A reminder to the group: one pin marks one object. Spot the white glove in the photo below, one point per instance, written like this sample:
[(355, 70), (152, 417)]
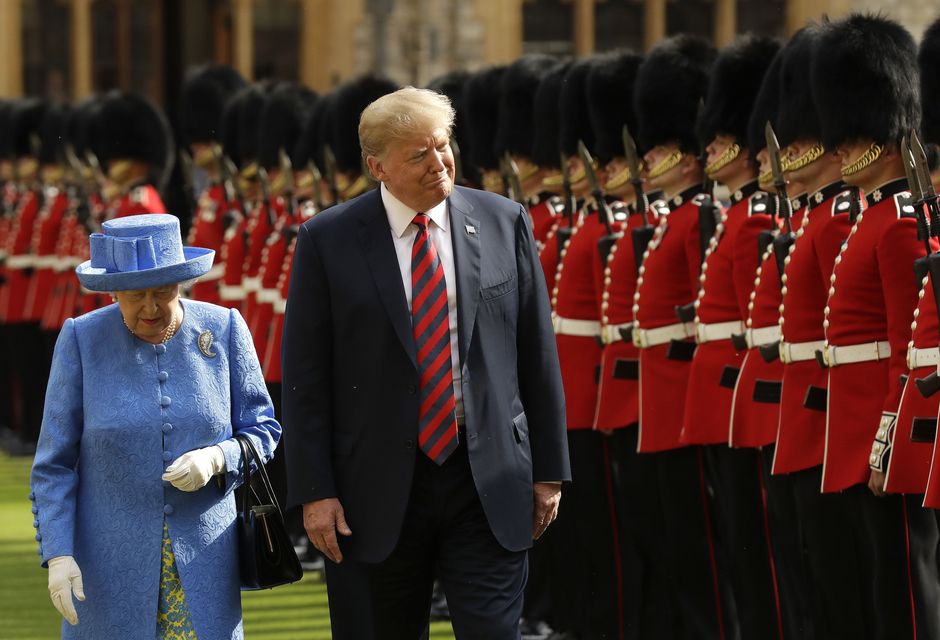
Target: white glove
[(65, 578), (192, 470)]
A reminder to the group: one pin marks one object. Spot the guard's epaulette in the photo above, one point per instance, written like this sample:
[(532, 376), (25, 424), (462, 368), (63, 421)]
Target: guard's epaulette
[(660, 208), (759, 203), (556, 205), (620, 210), (842, 203), (699, 199), (139, 194), (905, 205)]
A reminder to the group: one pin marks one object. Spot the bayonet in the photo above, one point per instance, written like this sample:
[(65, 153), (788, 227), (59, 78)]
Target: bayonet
[(287, 176), (515, 184), (780, 181), (603, 209), (636, 179), (913, 180), (265, 201), (927, 193), (317, 177)]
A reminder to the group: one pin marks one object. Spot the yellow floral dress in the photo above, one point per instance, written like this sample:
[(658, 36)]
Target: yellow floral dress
[(173, 620)]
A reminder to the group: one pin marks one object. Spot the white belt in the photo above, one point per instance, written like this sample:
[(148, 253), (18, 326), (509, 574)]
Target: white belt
[(762, 335), (231, 292), (251, 284), (717, 331), (610, 333), (268, 295), (835, 356), (800, 351), (22, 261), (280, 305), (62, 263), (922, 357), (572, 327), (46, 262), (645, 338), (216, 272)]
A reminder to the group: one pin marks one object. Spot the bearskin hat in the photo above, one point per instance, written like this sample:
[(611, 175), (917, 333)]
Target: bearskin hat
[(309, 144), (79, 123), (733, 87), (452, 85), (128, 126), (575, 119), (206, 89), (796, 110), (610, 101), (351, 100), (546, 149), (482, 94), (516, 131), (52, 134), (765, 106), (864, 79), (240, 121), (282, 122), (27, 117), (7, 110), (928, 59), (670, 84)]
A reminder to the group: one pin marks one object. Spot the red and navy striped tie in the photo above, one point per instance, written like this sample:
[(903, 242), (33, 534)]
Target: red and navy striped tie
[(437, 431)]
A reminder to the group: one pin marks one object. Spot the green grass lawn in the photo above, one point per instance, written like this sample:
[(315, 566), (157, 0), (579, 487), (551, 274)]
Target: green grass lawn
[(294, 612)]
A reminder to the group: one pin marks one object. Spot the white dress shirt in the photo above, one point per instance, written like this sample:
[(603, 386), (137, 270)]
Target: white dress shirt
[(400, 218)]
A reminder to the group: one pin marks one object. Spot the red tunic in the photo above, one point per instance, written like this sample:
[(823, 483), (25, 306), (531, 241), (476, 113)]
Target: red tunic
[(544, 212), (139, 200), (43, 246), (19, 260), (208, 231), (269, 273), (717, 362), (668, 278), (872, 299), (802, 424), (260, 225)]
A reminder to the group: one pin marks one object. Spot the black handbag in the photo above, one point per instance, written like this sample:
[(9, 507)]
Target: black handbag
[(266, 557)]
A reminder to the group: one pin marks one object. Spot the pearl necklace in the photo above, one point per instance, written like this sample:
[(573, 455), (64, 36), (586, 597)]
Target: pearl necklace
[(168, 333)]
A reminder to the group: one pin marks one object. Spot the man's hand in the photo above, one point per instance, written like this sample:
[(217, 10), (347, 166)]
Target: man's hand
[(65, 579), (547, 499), (877, 483), (322, 519)]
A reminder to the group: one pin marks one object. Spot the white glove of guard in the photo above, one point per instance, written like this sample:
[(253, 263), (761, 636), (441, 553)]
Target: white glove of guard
[(192, 470), (65, 578)]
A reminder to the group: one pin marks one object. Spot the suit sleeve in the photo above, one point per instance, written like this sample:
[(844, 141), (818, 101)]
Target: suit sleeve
[(896, 253), (55, 476), (306, 361), (540, 387), (252, 411)]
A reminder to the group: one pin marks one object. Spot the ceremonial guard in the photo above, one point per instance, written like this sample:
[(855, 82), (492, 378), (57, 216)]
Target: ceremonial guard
[(610, 102), (671, 82), (869, 63), (206, 89), (719, 314), (482, 96)]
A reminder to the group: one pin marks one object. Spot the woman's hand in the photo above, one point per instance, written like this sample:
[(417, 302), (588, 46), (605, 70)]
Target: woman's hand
[(65, 578), (192, 470)]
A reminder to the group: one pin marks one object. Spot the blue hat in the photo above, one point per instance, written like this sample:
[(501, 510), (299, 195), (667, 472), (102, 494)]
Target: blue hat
[(140, 252)]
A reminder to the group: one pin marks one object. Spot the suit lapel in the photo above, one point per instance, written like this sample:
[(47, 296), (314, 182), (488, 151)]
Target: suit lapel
[(379, 250), (467, 238)]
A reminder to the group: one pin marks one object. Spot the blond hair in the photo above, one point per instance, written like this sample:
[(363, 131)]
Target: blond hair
[(401, 115)]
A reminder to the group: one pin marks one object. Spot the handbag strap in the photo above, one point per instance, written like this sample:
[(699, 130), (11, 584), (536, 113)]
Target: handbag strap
[(248, 453)]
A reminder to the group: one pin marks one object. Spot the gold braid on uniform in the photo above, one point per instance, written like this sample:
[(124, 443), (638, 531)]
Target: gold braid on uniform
[(727, 156), (864, 160), (667, 163), (619, 179), (553, 181), (173, 619), (766, 179), (810, 156)]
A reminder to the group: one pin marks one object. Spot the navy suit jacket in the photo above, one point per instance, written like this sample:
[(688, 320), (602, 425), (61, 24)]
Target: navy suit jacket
[(350, 379)]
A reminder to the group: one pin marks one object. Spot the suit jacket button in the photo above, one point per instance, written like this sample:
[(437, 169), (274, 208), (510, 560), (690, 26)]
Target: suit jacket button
[(168, 509), (409, 444)]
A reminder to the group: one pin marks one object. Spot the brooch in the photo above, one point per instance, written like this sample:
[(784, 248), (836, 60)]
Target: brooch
[(205, 344)]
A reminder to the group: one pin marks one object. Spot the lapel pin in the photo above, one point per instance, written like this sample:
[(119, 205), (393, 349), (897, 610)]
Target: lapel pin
[(205, 344), (471, 230)]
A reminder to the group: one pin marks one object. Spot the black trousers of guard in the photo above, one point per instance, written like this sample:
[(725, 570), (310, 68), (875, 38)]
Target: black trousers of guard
[(736, 478), (687, 549), (898, 541), (794, 588), (587, 559), (646, 602), (445, 536), (29, 362), (833, 558)]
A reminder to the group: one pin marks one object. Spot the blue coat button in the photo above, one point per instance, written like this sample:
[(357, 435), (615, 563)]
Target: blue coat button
[(32, 496), (167, 456), (163, 376), (160, 349), (38, 537), (35, 509), (168, 509), (167, 427), (36, 524), (165, 401)]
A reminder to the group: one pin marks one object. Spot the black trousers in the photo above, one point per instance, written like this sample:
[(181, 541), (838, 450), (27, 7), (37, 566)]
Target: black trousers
[(735, 475), (446, 536), (28, 354), (794, 588), (587, 559), (687, 549)]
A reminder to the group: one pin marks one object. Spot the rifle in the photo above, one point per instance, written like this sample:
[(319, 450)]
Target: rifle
[(287, 176), (570, 205), (640, 236), (234, 199), (605, 243), (330, 161), (511, 175), (265, 200), (317, 177), (785, 240)]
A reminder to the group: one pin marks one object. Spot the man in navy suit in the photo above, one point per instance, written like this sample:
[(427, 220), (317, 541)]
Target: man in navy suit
[(423, 406)]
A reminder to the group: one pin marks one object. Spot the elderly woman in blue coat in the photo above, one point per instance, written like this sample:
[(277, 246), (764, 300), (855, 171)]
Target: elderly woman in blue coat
[(133, 476)]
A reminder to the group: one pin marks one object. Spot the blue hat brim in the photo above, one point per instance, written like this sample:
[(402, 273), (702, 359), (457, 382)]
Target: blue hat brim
[(198, 263)]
